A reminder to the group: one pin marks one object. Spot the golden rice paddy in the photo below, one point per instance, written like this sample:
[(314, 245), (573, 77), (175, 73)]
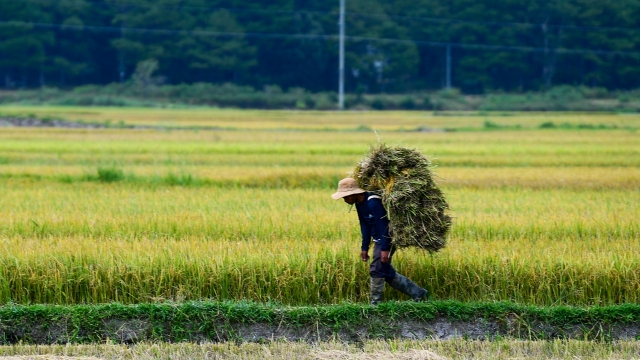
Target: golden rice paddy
[(541, 216)]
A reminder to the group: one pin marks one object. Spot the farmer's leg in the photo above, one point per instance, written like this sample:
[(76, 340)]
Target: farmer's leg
[(378, 269), (408, 287), (380, 272)]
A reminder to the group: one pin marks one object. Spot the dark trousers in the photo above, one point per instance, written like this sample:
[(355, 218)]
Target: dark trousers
[(378, 269)]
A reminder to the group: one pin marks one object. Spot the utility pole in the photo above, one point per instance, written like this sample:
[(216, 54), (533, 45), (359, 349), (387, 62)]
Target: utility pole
[(121, 68), (448, 66), (549, 55), (341, 67)]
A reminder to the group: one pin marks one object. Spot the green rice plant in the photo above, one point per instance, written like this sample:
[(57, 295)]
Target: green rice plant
[(29, 149), (181, 179), (110, 174)]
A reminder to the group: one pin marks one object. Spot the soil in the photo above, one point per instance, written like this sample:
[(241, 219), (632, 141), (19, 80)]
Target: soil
[(46, 357), (136, 330), (21, 122)]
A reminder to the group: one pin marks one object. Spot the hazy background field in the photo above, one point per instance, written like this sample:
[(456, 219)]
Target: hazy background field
[(542, 215)]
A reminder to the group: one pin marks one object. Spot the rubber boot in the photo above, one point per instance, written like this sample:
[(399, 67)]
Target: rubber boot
[(377, 289), (408, 287)]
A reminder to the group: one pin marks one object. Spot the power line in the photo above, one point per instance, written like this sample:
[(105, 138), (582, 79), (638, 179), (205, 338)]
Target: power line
[(498, 47), (198, 8), (163, 31), (391, 16), (207, 33), (496, 23)]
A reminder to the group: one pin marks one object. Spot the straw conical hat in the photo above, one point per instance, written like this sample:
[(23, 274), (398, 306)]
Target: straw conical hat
[(347, 187)]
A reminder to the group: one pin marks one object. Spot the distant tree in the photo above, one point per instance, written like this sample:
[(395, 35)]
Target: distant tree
[(393, 45), (209, 50), (22, 47)]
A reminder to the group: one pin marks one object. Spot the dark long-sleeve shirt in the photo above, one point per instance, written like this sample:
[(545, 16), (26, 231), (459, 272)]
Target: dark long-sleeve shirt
[(373, 222)]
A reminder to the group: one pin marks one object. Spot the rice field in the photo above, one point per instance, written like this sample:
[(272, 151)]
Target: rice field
[(541, 216), (317, 120)]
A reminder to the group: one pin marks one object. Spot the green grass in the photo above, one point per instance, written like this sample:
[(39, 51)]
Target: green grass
[(218, 321)]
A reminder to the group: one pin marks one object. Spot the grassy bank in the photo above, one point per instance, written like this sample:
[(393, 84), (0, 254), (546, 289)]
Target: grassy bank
[(211, 321)]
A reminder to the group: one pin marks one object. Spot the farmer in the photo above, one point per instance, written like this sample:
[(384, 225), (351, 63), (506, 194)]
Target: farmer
[(375, 224)]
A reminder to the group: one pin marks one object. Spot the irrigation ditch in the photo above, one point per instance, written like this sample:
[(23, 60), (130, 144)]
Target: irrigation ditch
[(59, 123), (253, 322)]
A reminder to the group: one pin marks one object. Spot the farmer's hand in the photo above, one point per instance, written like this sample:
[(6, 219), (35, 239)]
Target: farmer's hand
[(364, 255), (384, 256)]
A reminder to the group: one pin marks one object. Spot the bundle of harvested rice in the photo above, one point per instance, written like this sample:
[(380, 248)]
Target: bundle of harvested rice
[(415, 205)]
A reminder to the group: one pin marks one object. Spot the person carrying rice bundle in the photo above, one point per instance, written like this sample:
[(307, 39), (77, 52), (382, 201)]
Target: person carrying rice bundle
[(374, 224), (397, 198)]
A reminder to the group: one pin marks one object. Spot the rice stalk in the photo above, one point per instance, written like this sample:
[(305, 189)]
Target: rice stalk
[(415, 205)]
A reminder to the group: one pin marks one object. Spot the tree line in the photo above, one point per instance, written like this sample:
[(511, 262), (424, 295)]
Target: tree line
[(393, 46)]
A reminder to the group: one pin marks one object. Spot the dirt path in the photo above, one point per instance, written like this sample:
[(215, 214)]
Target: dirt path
[(47, 357), (323, 355), (54, 123), (379, 355)]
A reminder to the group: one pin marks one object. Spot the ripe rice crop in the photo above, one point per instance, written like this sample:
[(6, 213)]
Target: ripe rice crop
[(540, 216), (319, 120), (70, 244), (415, 205)]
